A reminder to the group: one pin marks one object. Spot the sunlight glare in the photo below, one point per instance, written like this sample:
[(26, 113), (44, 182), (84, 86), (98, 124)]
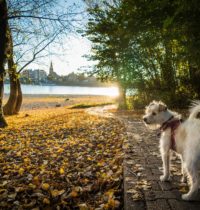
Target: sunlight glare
[(112, 91)]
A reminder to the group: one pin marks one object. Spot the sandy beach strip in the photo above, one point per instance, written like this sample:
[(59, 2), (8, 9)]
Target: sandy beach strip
[(45, 101)]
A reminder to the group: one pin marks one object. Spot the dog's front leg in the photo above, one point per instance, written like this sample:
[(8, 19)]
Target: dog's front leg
[(165, 159), (183, 170)]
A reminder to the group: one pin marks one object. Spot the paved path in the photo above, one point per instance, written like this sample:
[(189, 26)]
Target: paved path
[(142, 169)]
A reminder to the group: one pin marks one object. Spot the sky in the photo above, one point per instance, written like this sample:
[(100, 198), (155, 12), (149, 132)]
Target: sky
[(72, 59), (70, 54)]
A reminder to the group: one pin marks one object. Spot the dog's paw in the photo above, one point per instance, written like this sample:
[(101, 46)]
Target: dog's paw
[(164, 178), (186, 197)]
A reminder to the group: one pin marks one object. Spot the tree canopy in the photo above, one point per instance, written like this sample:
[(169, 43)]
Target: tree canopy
[(151, 48)]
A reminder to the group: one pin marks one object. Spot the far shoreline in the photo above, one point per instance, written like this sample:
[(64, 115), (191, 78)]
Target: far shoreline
[(104, 85), (60, 95)]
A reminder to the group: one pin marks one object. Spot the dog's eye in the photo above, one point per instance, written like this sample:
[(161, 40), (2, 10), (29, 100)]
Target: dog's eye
[(153, 113)]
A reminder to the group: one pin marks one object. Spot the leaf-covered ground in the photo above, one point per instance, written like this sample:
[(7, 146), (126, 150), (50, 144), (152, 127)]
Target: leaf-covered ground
[(61, 159)]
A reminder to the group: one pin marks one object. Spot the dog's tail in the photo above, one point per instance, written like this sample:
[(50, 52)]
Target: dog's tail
[(195, 110)]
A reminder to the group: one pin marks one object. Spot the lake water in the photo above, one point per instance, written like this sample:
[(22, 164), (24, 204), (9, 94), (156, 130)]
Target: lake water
[(65, 90)]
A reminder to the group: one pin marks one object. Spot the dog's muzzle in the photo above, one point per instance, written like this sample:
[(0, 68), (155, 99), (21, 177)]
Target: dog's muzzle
[(145, 119)]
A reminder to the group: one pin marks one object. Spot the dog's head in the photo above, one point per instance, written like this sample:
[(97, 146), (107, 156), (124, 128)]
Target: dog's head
[(155, 113)]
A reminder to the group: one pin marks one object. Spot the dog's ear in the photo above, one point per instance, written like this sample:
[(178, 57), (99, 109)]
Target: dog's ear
[(162, 107), (152, 103)]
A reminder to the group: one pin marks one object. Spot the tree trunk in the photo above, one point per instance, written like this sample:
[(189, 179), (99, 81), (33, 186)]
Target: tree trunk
[(10, 106), (3, 122), (19, 97), (122, 98), (168, 73), (3, 47), (14, 102)]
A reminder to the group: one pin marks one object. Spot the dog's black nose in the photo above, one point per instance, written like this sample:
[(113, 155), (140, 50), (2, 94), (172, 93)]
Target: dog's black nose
[(145, 119)]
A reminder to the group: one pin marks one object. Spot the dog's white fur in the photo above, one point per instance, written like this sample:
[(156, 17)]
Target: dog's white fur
[(187, 138)]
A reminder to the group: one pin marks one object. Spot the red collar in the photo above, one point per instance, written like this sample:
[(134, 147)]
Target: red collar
[(173, 124)]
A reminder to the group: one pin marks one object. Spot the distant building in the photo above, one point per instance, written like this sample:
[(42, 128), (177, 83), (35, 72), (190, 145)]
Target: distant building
[(51, 69), (40, 75), (26, 73), (52, 75), (35, 76)]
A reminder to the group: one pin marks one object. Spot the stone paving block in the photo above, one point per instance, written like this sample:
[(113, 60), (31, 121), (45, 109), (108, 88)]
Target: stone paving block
[(155, 186), (130, 205), (160, 204), (156, 171), (165, 186), (153, 195), (154, 177), (183, 205)]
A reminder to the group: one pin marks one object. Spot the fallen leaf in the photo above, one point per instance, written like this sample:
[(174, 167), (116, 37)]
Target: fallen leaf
[(56, 193), (62, 171), (46, 201), (73, 194), (45, 186), (21, 171)]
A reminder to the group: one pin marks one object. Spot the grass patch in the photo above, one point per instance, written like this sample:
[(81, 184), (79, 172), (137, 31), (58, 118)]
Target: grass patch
[(88, 105)]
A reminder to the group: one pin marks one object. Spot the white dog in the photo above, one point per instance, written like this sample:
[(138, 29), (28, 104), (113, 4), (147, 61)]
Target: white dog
[(182, 137)]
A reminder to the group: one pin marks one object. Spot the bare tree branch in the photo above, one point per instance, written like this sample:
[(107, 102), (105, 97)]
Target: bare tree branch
[(39, 51)]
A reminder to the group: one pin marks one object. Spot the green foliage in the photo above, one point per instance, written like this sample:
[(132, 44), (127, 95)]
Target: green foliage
[(88, 105), (151, 47)]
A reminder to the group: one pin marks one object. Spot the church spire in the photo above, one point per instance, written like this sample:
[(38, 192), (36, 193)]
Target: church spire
[(51, 69)]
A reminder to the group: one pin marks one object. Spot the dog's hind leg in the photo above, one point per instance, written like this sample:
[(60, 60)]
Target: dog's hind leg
[(193, 173)]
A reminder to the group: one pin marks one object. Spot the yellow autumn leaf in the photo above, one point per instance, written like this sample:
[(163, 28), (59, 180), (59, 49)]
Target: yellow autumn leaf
[(19, 153), (109, 193), (26, 160), (90, 158), (60, 150), (46, 201), (73, 194), (32, 186), (113, 204), (36, 180), (45, 186), (62, 171), (83, 206), (56, 193), (101, 163), (2, 136), (21, 171)]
